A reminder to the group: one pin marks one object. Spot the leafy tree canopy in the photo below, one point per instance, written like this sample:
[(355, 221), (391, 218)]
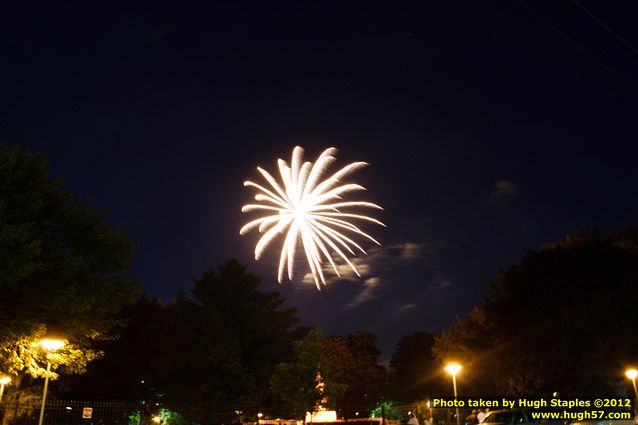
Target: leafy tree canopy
[(217, 350), (244, 334), (388, 409), (564, 320), (353, 361), (414, 372), (63, 268), (305, 384)]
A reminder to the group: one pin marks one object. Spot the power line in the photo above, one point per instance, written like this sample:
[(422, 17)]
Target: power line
[(580, 48), (604, 25)]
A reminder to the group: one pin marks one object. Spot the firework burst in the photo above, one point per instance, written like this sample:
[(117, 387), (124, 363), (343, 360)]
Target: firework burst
[(307, 206)]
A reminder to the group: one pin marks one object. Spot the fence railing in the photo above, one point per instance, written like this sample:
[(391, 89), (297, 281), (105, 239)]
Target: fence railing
[(69, 413), (60, 412)]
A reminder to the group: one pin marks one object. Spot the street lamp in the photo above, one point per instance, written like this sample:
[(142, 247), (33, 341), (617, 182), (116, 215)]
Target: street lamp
[(3, 381), (632, 374), (49, 345), (453, 369)]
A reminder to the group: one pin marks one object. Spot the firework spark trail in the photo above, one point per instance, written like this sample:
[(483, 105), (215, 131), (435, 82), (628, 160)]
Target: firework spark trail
[(305, 207)]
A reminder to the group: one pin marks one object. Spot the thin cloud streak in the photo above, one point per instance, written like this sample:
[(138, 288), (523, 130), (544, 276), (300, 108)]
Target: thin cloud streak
[(376, 270), (504, 190)]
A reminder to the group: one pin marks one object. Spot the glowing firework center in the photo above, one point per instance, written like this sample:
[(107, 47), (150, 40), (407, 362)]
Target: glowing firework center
[(305, 206)]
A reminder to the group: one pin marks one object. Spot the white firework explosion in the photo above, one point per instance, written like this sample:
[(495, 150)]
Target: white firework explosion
[(307, 206)]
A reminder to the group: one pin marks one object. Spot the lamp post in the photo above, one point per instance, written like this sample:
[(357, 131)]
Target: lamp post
[(3, 381), (453, 369), (632, 374), (49, 345)]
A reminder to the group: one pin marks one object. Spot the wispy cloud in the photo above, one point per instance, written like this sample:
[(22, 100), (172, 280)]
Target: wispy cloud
[(380, 261), (411, 251), (366, 294), (439, 283), (504, 190), (406, 308)]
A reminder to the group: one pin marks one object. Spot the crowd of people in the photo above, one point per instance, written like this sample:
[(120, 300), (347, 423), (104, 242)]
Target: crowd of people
[(476, 417)]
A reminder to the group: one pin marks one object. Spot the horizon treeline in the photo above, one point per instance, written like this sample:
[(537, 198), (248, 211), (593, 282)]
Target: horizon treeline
[(561, 320)]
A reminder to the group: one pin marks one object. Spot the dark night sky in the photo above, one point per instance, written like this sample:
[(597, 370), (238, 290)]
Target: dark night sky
[(486, 131)]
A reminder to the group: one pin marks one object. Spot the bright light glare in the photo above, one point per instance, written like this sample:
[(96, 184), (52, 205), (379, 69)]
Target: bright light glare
[(453, 368), (307, 206), (632, 374), (52, 344), (322, 416), (5, 380)]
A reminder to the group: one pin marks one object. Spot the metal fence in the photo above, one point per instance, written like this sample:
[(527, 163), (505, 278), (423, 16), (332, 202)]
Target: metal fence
[(71, 413), (60, 412)]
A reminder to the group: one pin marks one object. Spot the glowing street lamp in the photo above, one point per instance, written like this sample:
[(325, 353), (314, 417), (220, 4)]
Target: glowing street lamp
[(49, 345), (453, 369), (3, 381), (633, 374)]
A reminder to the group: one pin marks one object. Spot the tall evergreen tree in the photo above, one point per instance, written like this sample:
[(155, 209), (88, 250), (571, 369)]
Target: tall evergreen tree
[(208, 355)]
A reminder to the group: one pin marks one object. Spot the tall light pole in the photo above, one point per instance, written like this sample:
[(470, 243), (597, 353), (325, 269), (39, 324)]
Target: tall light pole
[(632, 374), (3, 381), (49, 345), (453, 369)]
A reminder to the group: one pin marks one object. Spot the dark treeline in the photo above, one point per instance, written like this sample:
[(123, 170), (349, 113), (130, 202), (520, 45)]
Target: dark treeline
[(232, 348), (562, 320), (218, 347)]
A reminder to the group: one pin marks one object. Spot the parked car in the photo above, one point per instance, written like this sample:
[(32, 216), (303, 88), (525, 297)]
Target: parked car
[(607, 422), (516, 417), (507, 417)]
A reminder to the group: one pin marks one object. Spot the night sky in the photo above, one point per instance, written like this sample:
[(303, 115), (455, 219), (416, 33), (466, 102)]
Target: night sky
[(486, 130)]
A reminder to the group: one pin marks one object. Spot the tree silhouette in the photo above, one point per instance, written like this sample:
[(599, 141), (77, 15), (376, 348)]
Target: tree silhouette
[(562, 320), (63, 268)]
